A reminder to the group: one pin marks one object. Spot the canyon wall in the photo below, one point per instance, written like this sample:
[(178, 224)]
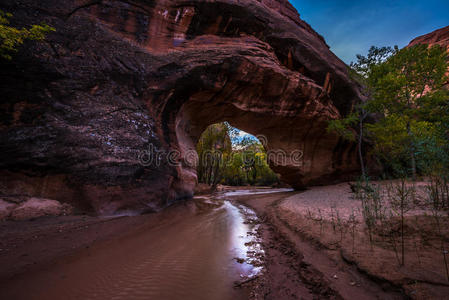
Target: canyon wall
[(105, 113), (436, 37)]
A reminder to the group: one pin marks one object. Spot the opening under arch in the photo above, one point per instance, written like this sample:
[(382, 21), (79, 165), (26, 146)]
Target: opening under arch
[(230, 156)]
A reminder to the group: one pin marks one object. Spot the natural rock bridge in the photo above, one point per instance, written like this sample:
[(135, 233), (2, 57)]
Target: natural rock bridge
[(118, 76)]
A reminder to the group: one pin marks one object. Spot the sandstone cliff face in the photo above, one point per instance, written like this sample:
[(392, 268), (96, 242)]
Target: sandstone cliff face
[(437, 37), (119, 78)]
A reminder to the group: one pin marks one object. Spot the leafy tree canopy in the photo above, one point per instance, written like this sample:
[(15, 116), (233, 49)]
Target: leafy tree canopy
[(240, 162), (11, 38), (409, 80), (405, 93), (375, 56)]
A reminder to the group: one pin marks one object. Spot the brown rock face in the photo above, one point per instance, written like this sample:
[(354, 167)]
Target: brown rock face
[(32, 208), (105, 114), (437, 37)]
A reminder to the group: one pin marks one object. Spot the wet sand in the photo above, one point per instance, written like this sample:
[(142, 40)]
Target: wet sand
[(295, 269)]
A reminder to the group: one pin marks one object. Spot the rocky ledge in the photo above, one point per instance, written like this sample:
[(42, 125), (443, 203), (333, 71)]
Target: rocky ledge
[(25, 208)]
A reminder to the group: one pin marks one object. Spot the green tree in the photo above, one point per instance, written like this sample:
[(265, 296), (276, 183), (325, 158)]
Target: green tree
[(344, 127), (250, 162), (404, 89), (364, 64), (11, 38), (214, 149), (352, 126), (225, 157)]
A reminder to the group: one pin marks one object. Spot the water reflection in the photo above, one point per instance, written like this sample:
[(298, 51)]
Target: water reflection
[(245, 243), (197, 250), (255, 192)]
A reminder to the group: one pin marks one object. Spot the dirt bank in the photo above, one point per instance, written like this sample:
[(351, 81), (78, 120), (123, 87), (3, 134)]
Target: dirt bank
[(295, 269), (331, 219)]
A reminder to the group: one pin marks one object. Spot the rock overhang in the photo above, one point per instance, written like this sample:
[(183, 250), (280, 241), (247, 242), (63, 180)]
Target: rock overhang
[(129, 74)]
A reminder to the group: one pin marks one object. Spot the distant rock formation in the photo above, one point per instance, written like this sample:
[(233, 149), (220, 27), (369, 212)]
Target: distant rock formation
[(437, 37), (120, 80)]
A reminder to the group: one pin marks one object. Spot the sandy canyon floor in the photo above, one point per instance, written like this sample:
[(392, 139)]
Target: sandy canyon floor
[(234, 244)]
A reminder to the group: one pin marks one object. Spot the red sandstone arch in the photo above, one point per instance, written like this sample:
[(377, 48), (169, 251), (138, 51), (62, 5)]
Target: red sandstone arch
[(117, 76)]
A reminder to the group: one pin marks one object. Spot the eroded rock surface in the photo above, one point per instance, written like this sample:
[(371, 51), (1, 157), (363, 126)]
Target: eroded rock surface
[(5, 209), (437, 37), (20, 208), (119, 78)]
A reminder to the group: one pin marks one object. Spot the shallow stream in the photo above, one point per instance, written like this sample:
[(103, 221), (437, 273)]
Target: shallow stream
[(195, 250)]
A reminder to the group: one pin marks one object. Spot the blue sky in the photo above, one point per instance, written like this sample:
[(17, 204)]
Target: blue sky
[(351, 27)]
